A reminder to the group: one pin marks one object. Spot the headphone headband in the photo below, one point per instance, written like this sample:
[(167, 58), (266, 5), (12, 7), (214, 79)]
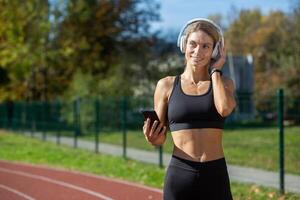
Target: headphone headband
[(182, 31)]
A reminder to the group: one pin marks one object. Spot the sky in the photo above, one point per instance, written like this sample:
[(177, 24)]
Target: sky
[(175, 13)]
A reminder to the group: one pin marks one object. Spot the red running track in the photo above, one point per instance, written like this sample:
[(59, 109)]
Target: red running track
[(29, 182)]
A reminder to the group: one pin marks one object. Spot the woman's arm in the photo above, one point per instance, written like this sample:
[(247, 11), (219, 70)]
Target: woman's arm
[(156, 135), (223, 89)]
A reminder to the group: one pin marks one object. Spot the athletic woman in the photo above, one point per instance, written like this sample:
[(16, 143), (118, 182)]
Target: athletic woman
[(194, 104)]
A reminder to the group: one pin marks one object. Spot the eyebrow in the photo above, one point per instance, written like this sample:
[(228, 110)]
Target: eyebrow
[(202, 43)]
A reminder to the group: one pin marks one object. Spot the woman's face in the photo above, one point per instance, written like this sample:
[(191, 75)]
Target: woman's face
[(199, 49)]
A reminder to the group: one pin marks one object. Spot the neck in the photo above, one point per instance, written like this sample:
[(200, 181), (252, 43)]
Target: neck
[(196, 74)]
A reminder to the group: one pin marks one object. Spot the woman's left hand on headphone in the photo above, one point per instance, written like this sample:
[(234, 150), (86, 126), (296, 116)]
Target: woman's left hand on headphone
[(222, 59)]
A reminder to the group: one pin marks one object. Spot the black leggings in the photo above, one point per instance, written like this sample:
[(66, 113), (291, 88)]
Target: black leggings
[(189, 180)]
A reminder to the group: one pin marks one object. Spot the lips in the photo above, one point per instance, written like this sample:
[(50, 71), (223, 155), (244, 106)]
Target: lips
[(196, 59)]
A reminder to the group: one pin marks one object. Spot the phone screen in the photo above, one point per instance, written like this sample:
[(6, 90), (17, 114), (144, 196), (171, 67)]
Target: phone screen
[(150, 114)]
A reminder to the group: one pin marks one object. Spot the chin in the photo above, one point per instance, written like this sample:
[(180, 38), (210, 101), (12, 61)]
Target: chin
[(198, 65)]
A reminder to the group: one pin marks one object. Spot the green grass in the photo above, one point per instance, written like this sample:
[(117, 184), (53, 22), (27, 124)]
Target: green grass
[(17, 147), (20, 148), (253, 147), (259, 148)]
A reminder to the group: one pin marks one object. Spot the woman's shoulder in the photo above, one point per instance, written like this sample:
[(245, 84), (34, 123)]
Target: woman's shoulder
[(164, 86), (166, 82)]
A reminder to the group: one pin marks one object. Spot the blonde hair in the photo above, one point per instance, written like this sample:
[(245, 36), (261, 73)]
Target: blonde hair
[(208, 28)]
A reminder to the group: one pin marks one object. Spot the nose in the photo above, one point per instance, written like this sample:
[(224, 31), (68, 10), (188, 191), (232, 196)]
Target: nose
[(197, 50)]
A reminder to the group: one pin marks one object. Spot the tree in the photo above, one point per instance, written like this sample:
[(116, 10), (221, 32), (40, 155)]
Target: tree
[(99, 37), (241, 32), (24, 30), (44, 44), (273, 40)]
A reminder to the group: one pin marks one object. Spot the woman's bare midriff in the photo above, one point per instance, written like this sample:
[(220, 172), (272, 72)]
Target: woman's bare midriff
[(199, 145)]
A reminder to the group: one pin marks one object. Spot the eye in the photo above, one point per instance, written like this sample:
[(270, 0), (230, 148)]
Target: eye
[(192, 43), (206, 46)]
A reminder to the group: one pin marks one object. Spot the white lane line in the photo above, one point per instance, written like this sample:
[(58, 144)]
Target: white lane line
[(90, 192), (16, 192), (87, 174), (119, 181)]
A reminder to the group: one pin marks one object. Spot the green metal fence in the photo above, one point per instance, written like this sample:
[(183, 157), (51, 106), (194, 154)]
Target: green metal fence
[(86, 116)]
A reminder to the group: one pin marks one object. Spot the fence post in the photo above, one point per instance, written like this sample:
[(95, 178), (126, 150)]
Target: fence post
[(57, 108), (97, 125), (43, 123), (160, 151), (23, 117), (76, 120), (280, 111), (33, 123), (124, 123), (9, 106)]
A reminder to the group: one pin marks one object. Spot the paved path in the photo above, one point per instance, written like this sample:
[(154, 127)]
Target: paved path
[(236, 173)]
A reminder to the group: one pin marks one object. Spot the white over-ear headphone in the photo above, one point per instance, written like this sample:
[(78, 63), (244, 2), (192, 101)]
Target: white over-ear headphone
[(181, 41)]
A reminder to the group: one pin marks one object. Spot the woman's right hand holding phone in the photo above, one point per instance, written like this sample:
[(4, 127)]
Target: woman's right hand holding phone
[(154, 134)]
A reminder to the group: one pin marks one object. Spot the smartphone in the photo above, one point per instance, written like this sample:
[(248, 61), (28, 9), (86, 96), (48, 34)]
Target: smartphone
[(150, 114)]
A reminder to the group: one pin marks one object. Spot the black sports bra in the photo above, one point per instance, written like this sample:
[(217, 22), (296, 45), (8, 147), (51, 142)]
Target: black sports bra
[(192, 111)]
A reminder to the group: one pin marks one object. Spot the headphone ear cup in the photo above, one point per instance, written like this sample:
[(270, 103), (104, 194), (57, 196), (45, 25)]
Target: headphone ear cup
[(215, 52), (182, 43)]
